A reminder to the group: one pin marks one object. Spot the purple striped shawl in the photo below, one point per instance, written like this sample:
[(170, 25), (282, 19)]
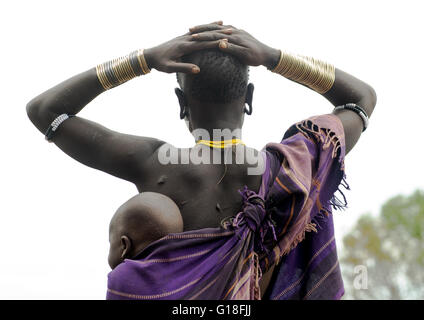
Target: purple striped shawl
[(287, 223)]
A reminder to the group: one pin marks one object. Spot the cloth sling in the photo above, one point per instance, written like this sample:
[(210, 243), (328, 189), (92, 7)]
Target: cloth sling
[(288, 223)]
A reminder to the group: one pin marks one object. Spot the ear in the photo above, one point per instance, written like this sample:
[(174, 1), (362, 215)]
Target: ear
[(126, 247), (188, 124), (182, 101), (249, 98)]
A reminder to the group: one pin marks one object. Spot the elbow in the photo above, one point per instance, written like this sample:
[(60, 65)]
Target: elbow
[(369, 99), (34, 110), (373, 96), (31, 110)]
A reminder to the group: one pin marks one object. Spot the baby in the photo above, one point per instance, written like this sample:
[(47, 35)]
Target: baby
[(140, 221)]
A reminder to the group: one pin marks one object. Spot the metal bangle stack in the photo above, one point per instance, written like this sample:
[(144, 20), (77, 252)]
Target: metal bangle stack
[(316, 74), (120, 70)]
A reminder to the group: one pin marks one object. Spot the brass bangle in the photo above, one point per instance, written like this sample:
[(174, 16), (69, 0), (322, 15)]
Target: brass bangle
[(118, 71), (142, 61), (101, 75), (313, 73)]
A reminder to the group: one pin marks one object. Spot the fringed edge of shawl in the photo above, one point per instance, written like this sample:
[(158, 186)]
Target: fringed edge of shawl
[(329, 137)]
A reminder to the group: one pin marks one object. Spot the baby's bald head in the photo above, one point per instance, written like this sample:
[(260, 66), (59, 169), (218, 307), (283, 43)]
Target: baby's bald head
[(141, 220)]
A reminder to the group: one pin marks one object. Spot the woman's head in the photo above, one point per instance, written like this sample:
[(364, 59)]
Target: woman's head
[(215, 96), (222, 77)]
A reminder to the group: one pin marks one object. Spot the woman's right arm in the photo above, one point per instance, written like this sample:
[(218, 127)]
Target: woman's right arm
[(90, 143)]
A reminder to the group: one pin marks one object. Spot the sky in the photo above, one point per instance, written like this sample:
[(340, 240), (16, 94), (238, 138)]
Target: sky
[(54, 212)]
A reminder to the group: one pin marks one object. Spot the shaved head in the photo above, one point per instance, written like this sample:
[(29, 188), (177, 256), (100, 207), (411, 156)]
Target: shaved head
[(222, 78), (141, 220)]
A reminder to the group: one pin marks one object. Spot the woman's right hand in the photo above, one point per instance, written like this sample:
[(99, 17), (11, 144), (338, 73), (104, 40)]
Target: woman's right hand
[(165, 56)]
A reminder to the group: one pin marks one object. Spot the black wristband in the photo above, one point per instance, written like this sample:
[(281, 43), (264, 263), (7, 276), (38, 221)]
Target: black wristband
[(55, 124), (358, 110)]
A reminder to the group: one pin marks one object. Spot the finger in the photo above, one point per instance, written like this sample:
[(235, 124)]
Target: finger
[(232, 48), (211, 35), (191, 46), (215, 23), (182, 67), (207, 27), (219, 22)]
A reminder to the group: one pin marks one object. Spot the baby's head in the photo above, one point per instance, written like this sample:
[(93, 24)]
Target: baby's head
[(141, 220)]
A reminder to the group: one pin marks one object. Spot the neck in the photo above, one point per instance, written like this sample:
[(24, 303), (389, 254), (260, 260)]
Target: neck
[(219, 121), (220, 133)]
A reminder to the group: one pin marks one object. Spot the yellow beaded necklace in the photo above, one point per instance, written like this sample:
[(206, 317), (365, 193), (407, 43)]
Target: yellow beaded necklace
[(221, 144)]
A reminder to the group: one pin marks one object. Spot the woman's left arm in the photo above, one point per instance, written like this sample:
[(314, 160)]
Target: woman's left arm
[(335, 85)]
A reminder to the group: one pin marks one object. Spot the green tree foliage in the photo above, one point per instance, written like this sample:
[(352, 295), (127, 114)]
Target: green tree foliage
[(390, 247)]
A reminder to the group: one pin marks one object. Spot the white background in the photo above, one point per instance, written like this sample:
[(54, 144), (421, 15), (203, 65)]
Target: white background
[(55, 212)]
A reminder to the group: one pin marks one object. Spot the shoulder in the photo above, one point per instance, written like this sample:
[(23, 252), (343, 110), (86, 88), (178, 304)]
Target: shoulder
[(309, 146), (321, 125)]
